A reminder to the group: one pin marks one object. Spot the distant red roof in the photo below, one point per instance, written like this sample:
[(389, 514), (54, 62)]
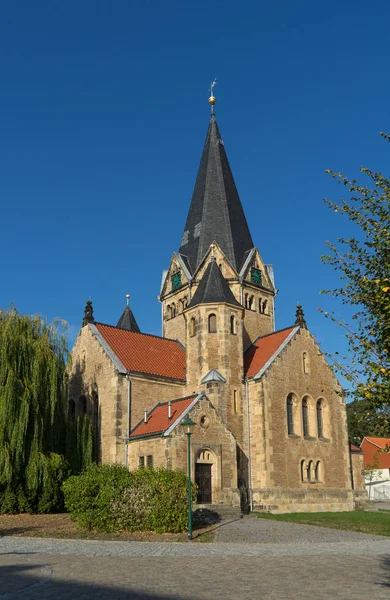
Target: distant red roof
[(354, 448), (158, 420), (373, 457), (263, 349), (144, 353)]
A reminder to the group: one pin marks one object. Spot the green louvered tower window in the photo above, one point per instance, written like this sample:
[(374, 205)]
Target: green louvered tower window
[(256, 276), (176, 280)]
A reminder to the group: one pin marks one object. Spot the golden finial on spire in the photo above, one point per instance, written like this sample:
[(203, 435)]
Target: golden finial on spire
[(212, 99)]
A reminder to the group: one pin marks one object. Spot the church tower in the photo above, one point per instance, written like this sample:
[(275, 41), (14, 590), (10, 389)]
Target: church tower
[(216, 217)]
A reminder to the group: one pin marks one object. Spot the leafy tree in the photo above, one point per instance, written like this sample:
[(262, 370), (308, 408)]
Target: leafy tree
[(363, 263), (366, 420), (33, 413)]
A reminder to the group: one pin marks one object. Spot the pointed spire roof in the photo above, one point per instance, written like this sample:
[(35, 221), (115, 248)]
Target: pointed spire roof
[(213, 287), (216, 213), (127, 320)]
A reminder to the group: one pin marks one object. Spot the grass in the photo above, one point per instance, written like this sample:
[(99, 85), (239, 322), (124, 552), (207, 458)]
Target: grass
[(375, 523)]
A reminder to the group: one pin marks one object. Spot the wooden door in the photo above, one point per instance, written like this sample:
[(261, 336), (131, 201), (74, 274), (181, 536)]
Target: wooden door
[(203, 481)]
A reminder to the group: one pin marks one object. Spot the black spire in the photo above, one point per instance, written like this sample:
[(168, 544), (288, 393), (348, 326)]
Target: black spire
[(213, 287), (127, 320), (300, 317), (216, 213), (88, 313)]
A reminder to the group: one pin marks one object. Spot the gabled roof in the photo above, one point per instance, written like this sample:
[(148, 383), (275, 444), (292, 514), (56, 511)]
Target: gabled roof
[(142, 353), (261, 354), (355, 449), (127, 321), (213, 375), (158, 421), (215, 212), (213, 287), (374, 456)]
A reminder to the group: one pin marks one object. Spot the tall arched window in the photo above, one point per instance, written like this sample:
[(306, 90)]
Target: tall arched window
[(173, 310), (83, 405), (320, 421), (233, 328), (251, 300), (290, 414), (318, 471), (169, 311), (260, 305), (264, 311), (192, 327), (305, 417), (305, 360), (246, 303), (212, 323)]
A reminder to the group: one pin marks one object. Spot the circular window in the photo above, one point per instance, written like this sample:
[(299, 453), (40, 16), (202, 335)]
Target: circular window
[(204, 421)]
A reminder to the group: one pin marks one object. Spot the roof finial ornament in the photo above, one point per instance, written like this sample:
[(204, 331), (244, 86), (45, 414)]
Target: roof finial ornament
[(212, 99), (88, 314), (300, 317), (212, 247), (127, 299)]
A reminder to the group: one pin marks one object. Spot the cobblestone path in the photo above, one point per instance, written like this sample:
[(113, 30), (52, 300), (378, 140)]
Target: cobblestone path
[(285, 563)]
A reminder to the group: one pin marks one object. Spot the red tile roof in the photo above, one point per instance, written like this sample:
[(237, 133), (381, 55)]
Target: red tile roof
[(371, 447), (354, 448), (158, 420), (263, 349), (144, 353)]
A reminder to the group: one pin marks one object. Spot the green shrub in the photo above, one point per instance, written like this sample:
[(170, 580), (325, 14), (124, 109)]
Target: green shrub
[(110, 498)]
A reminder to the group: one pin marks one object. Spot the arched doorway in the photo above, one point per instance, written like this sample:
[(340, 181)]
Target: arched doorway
[(204, 475)]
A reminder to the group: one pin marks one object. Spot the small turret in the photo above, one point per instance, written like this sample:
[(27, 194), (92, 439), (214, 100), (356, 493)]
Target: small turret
[(88, 314), (127, 320), (300, 317)]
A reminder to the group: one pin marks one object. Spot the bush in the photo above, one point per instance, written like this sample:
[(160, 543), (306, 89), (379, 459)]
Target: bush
[(111, 498)]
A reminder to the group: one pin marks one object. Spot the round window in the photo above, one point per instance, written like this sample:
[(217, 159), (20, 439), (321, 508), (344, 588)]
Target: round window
[(204, 421)]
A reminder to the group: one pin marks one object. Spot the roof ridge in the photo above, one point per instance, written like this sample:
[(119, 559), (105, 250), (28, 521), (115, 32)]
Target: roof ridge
[(159, 337)]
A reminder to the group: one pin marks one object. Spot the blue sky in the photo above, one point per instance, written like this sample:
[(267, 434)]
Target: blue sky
[(103, 115)]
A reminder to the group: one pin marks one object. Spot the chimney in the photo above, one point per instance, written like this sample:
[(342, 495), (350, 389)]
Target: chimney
[(145, 415), (169, 410)]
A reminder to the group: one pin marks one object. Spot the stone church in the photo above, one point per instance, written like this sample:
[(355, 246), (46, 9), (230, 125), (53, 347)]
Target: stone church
[(270, 418)]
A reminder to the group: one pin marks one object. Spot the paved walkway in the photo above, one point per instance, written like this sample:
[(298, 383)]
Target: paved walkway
[(252, 559)]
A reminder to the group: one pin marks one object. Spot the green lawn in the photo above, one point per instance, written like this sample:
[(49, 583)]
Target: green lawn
[(377, 523)]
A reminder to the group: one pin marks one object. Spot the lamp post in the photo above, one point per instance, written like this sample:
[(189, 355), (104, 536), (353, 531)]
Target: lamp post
[(189, 424)]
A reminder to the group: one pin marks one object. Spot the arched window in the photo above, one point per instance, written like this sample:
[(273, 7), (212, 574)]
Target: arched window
[(235, 401), (320, 421), (305, 417), (303, 471), (185, 302), (212, 323), (310, 471), (83, 405), (246, 303), (290, 414), (83, 361), (318, 471), (260, 305), (173, 310), (251, 300), (192, 327), (233, 328), (305, 360), (169, 311), (72, 409), (264, 310)]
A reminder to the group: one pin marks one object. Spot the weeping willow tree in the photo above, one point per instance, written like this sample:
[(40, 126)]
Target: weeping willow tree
[(34, 424)]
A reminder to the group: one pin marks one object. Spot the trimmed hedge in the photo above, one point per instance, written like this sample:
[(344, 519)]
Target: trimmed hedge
[(111, 498)]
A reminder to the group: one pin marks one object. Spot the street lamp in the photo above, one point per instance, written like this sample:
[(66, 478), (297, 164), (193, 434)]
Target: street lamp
[(188, 425)]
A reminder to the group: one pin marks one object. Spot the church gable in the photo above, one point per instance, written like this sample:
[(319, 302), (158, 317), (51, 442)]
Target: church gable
[(255, 272), (177, 277)]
